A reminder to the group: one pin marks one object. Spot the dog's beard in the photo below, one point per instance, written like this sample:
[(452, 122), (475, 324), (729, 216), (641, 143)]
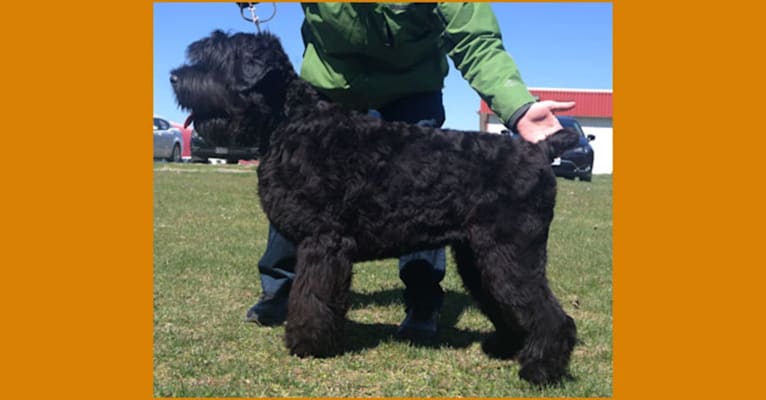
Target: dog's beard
[(252, 131), (215, 131)]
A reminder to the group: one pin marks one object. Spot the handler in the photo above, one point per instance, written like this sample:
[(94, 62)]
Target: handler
[(391, 58)]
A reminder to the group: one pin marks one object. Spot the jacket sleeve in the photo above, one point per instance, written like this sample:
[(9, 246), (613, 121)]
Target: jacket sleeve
[(473, 40)]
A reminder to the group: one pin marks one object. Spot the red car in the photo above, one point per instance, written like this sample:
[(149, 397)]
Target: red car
[(186, 134)]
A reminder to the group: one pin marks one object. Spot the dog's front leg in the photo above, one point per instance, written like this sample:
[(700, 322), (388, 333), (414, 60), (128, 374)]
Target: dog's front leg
[(319, 297)]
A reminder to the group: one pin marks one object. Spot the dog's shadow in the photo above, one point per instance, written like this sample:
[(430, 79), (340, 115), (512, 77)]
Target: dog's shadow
[(360, 336)]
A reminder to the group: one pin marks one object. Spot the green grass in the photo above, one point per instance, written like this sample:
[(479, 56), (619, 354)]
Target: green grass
[(209, 233)]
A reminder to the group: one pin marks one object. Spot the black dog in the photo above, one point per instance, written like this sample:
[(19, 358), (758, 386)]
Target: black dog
[(346, 187)]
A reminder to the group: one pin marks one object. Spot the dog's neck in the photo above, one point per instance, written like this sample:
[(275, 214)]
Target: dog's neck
[(300, 99)]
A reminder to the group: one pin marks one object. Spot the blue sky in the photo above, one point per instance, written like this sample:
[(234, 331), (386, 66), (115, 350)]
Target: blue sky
[(561, 45)]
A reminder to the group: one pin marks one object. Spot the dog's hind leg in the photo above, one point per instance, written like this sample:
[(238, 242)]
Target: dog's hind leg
[(320, 295), (508, 337), (514, 276)]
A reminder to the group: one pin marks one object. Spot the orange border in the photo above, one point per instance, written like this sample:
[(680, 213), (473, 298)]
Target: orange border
[(77, 210), (79, 91), (683, 286)]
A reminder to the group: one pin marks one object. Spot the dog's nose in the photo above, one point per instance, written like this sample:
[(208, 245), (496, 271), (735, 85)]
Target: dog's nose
[(173, 79)]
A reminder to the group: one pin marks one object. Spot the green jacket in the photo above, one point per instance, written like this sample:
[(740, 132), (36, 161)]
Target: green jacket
[(368, 54)]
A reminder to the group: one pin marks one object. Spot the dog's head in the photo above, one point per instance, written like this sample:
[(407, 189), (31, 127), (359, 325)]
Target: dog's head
[(234, 87)]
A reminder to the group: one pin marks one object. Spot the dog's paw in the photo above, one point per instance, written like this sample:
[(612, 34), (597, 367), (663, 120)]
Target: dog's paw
[(504, 347), (305, 350), (309, 345), (543, 373)]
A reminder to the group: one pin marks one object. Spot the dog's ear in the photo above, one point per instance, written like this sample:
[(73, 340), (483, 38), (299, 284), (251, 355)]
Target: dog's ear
[(251, 72), (255, 74)]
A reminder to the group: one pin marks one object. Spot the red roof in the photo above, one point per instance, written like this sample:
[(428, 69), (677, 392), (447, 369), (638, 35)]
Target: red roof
[(590, 103)]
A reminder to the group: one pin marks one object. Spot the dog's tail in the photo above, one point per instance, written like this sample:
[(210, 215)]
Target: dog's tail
[(561, 141)]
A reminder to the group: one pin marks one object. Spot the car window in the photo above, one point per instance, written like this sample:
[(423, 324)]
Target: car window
[(572, 124), (161, 124), (578, 128)]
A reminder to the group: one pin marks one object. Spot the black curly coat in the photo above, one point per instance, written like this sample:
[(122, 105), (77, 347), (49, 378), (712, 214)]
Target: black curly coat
[(346, 187)]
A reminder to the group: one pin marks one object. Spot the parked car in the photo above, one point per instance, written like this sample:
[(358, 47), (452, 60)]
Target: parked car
[(202, 151), (576, 162), (186, 134), (168, 141)]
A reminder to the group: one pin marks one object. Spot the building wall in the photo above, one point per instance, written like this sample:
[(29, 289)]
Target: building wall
[(602, 145)]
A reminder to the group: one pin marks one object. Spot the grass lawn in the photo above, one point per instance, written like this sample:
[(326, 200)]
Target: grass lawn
[(209, 233)]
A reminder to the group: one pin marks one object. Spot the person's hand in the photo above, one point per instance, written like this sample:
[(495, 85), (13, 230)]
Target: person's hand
[(539, 122)]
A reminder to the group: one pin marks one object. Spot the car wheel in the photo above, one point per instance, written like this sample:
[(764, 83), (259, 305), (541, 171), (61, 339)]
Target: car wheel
[(175, 156), (586, 177)]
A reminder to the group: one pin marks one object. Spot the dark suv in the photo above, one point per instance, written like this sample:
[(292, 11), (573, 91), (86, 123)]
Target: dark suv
[(577, 161), (202, 151)]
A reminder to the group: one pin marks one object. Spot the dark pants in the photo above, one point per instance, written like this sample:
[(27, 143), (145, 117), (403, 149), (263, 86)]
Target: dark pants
[(421, 272)]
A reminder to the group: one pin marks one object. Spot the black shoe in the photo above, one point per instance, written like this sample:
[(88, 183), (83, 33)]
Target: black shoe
[(418, 326), (269, 311)]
